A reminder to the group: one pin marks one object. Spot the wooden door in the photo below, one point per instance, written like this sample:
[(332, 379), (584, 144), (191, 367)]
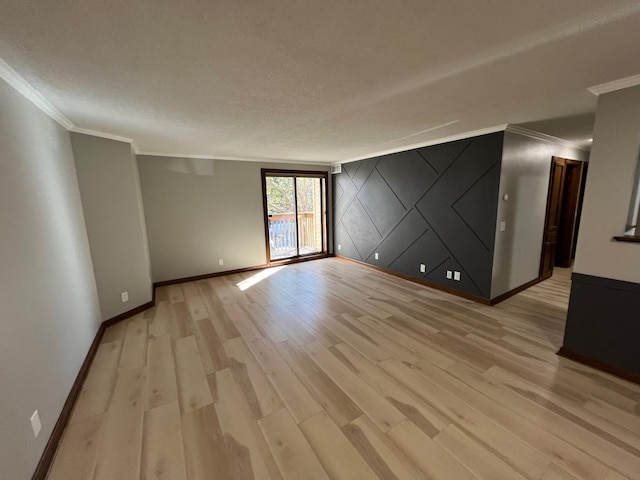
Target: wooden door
[(552, 221), (569, 213)]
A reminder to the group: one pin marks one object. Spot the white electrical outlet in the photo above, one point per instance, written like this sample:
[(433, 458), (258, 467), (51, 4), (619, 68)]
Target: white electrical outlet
[(375, 255), (503, 226), (124, 296), (456, 276), (36, 425), (423, 268), (449, 274), (339, 247), (221, 261)]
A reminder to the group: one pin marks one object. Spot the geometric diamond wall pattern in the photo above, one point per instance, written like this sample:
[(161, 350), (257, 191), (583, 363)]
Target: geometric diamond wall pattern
[(435, 205)]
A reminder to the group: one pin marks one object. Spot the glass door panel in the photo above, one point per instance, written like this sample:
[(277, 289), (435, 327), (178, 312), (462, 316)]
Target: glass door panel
[(309, 201), (281, 212)]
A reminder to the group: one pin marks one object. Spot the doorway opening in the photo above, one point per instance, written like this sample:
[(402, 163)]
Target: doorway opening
[(295, 204), (564, 206)]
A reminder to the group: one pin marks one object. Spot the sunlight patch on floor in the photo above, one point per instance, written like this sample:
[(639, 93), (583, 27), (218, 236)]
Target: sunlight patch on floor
[(258, 277)]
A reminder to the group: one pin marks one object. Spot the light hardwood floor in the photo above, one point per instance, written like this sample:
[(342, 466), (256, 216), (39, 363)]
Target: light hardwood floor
[(332, 370)]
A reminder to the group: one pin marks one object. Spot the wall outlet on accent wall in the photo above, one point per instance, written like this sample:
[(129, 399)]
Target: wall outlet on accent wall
[(449, 274), (456, 276), (36, 425), (221, 261), (375, 255), (503, 226), (423, 268), (124, 296), (339, 247)]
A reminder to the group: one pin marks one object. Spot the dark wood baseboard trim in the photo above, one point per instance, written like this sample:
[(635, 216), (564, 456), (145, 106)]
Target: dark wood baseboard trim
[(195, 278), (65, 414), (598, 365), (54, 440), (511, 293), (468, 296), (130, 313), (435, 286)]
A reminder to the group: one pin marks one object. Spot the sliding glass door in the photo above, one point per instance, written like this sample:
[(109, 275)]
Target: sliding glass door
[(295, 207), (281, 214)]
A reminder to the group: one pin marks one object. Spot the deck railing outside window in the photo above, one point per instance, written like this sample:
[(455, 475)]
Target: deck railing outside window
[(282, 234)]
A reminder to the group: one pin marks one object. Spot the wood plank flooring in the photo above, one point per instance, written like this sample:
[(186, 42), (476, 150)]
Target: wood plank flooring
[(331, 370)]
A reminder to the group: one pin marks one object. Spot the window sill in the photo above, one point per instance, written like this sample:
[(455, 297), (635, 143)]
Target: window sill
[(627, 238)]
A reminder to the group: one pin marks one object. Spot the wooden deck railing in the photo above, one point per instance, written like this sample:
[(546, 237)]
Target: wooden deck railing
[(282, 232)]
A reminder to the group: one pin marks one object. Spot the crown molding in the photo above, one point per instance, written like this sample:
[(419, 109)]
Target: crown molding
[(422, 132), (15, 80), (108, 136), (23, 87), (230, 158), (137, 151), (545, 137), (615, 85), (437, 141)]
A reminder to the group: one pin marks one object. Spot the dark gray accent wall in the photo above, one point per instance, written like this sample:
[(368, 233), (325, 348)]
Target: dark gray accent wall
[(435, 205), (602, 321)]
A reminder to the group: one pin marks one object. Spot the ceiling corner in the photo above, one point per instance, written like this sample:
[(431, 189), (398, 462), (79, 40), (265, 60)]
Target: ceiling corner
[(615, 85), (15, 80)]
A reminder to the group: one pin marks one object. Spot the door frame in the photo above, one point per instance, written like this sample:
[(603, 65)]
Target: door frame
[(565, 163), (273, 172), (570, 213), (555, 162)]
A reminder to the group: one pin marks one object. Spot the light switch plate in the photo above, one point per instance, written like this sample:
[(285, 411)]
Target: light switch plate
[(503, 226)]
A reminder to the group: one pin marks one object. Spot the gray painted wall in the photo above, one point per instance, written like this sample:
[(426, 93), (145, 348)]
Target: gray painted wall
[(524, 177), (198, 211), (114, 216), (614, 156), (602, 321), (50, 311), (435, 205)]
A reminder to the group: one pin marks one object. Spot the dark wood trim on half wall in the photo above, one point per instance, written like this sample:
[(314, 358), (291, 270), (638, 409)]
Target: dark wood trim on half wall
[(599, 365), (602, 324), (627, 238)]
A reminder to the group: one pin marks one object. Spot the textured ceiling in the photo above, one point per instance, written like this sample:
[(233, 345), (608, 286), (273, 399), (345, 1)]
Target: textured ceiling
[(320, 81)]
